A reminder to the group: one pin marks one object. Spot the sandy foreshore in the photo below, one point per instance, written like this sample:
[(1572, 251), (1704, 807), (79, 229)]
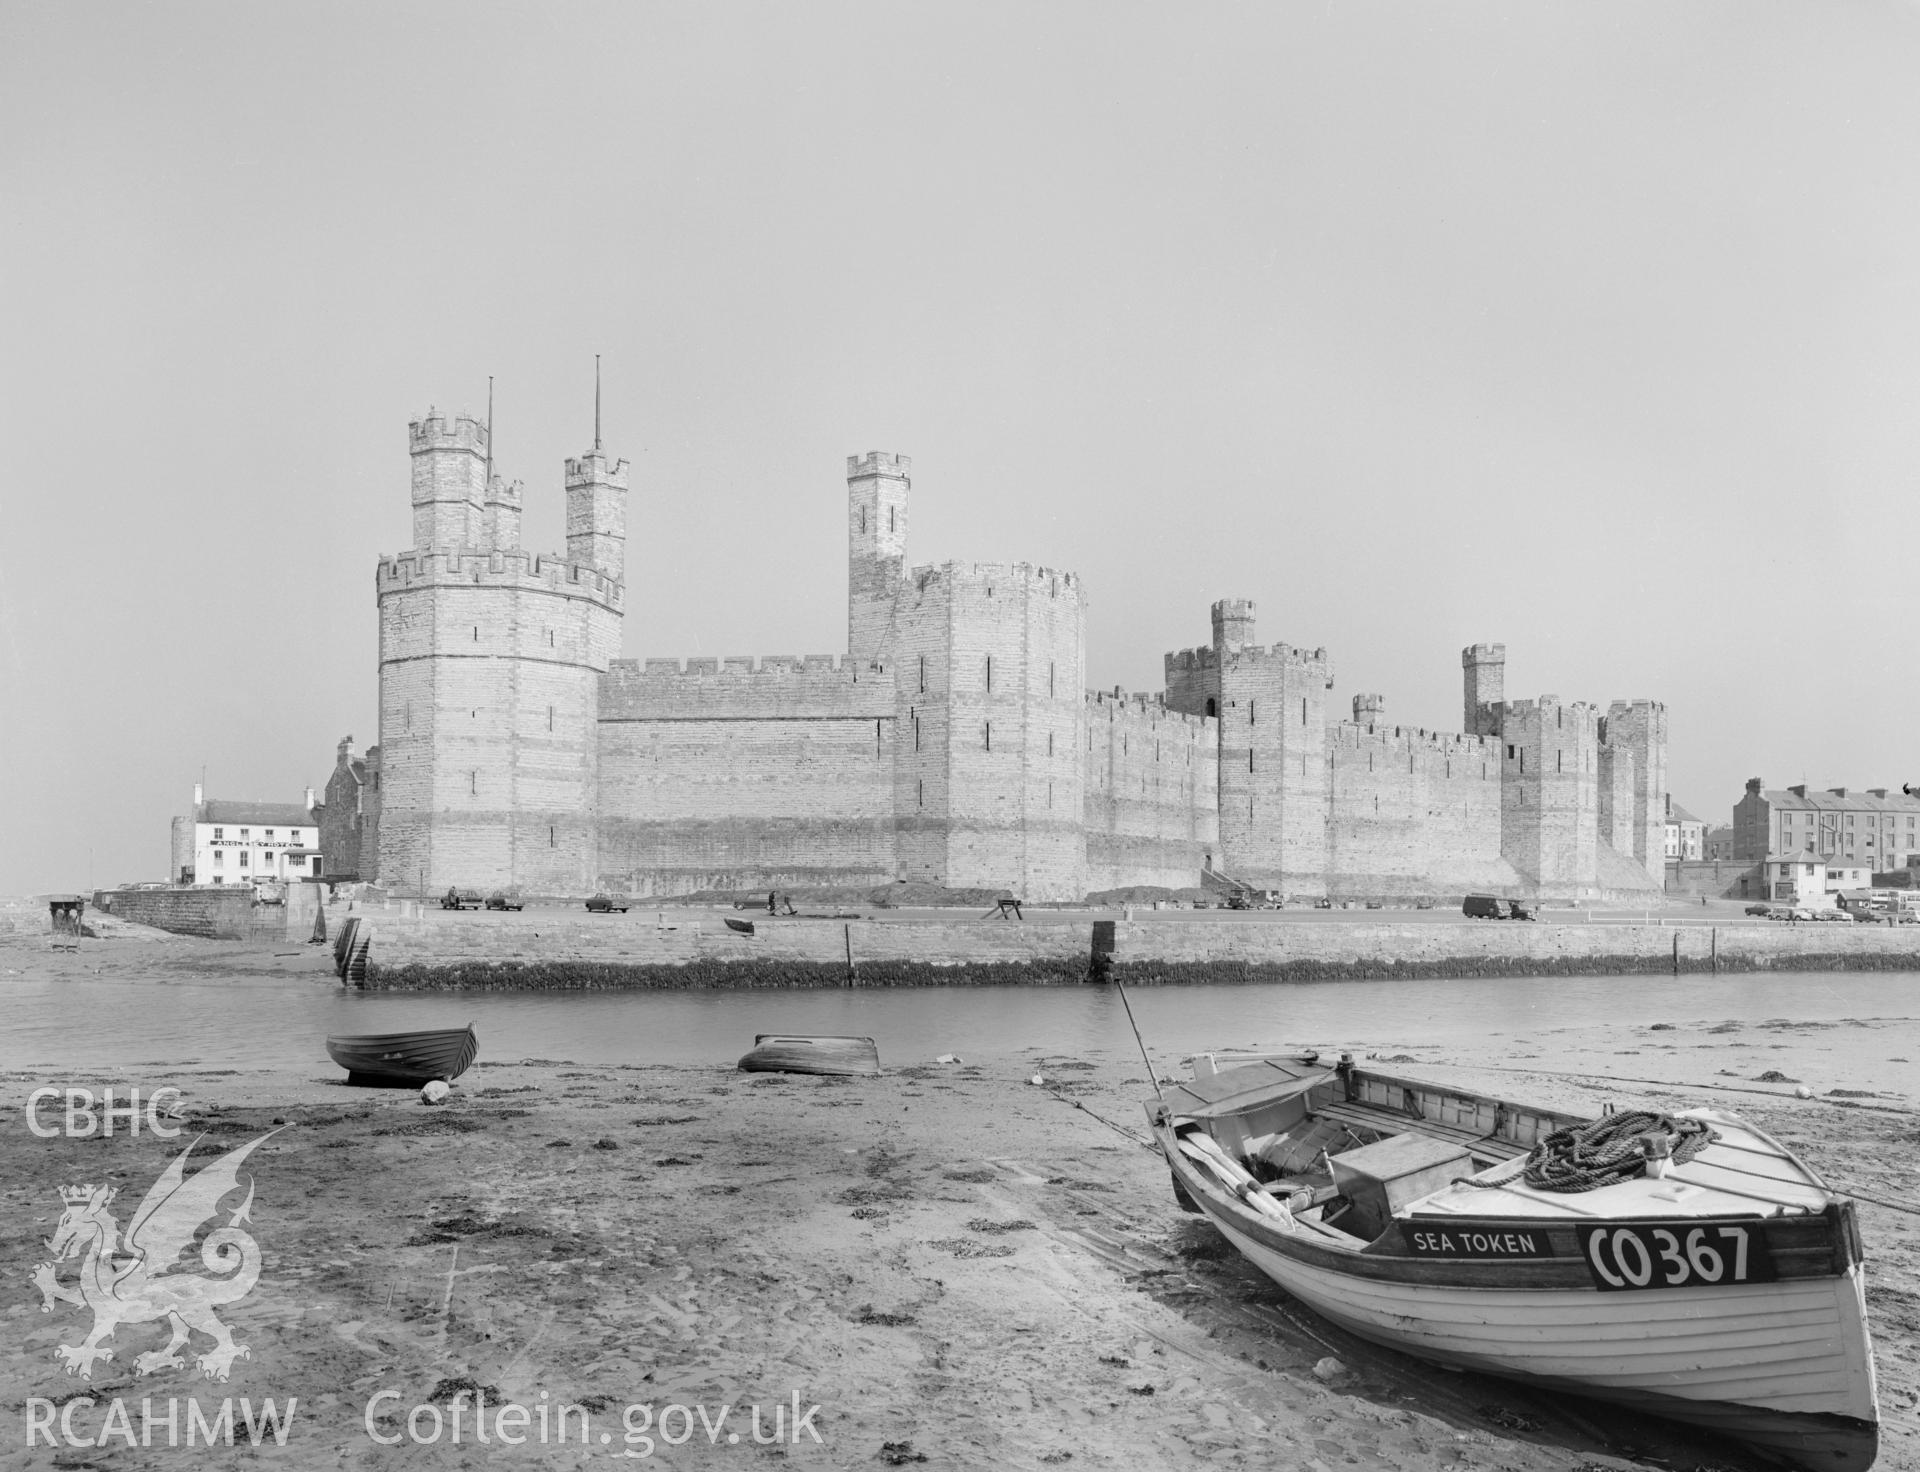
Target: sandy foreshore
[(952, 1262)]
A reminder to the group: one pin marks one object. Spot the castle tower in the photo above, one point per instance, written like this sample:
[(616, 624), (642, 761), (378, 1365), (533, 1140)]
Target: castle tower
[(597, 513), (1485, 677), (988, 667), (449, 481), (877, 487), (1232, 623), (1273, 767), (1369, 710), (1549, 793), (501, 518), (1638, 728), (490, 663)]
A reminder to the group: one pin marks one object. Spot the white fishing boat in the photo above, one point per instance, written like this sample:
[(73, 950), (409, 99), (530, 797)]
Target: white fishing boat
[(1690, 1266)]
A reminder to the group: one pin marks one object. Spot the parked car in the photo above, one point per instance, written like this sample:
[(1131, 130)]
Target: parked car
[(601, 903), (1486, 907), (1765, 912), (1323, 903), (1521, 910), (1843, 915), (502, 899), (461, 899), (1239, 899)]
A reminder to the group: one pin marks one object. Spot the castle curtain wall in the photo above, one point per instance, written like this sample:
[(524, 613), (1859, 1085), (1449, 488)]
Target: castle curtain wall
[(727, 774), (1151, 777)]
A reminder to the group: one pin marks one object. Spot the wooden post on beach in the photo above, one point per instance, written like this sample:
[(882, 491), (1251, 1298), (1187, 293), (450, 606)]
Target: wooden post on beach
[(1676, 950), (846, 933), (1713, 952)]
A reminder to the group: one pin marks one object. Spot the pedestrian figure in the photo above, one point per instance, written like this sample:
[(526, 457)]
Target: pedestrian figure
[(772, 903), (786, 903)]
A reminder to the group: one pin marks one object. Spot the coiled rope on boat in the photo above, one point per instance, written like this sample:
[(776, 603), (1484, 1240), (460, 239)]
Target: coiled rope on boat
[(1586, 1157)]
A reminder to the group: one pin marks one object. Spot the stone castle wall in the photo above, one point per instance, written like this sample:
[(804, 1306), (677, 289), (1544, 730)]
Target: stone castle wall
[(955, 743), (490, 665), (1412, 810), (737, 773), (1151, 776)]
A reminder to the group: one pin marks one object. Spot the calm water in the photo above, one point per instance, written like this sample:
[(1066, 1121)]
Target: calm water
[(282, 1023)]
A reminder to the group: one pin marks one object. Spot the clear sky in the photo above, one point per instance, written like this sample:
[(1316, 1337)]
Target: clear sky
[(1593, 329)]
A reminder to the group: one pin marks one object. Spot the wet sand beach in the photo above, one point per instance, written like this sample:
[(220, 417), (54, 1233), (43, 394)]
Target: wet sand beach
[(952, 1262)]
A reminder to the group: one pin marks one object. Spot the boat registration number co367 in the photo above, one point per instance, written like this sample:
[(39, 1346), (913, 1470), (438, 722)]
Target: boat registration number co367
[(1622, 1256)]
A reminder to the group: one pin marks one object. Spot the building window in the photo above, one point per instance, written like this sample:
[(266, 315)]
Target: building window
[(923, 674), (989, 672), (219, 834), (989, 735), (243, 858), (243, 835), (219, 857), (269, 837)]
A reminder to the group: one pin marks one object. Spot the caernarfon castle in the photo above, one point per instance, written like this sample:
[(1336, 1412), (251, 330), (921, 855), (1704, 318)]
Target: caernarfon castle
[(952, 742)]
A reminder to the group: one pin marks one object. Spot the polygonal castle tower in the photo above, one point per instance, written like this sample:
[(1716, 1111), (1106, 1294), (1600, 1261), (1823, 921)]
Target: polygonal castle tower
[(1272, 709), (490, 662), (988, 667)]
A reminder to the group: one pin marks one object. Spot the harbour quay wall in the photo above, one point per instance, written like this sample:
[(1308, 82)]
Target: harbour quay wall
[(529, 952), (213, 912), (1149, 952), (632, 951)]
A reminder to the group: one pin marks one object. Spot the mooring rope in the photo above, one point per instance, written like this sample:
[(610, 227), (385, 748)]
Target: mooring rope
[(1586, 1157)]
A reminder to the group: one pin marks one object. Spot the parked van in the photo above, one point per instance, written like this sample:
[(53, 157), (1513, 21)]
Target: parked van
[(1486, 907)]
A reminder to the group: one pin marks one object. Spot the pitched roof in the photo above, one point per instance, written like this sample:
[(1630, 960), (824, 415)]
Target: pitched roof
[(1678, 814), (1854, 800), (268, 814)]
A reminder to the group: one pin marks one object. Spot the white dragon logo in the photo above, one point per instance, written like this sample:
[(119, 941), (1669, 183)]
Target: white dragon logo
[(143, 1278)]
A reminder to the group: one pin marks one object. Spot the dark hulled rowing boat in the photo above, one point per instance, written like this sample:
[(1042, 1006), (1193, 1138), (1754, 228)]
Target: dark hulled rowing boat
[(405, 1057)]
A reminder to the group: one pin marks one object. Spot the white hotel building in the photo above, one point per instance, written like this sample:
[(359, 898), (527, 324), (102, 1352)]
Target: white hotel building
[(246, 842)]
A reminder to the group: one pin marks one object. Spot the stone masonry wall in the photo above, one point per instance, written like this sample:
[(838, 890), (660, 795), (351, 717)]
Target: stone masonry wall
[(737, 774), (1151, 779), (489, 676), (1550, 823), (1412, 813), (989, 660), (1273, 767)]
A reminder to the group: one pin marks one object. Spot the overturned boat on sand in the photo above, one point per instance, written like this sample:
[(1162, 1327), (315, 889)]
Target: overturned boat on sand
[(1689, 1266), (800, 1053)]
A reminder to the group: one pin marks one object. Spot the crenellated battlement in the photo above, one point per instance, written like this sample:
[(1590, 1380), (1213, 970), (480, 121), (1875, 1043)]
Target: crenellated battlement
[(438, 432), (1358, 736), (1187, 661), (1579, 717), (1248, 655), (514, 568), (746, 666), (878, 462), (1483, 654), (768, 687), (596, 468), (1148, 710), (507, 492), (961, 575)]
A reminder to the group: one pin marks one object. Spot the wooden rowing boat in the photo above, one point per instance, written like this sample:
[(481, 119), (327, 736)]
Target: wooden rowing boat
[(405, 1057), (1721, 1286), (779, 1053)]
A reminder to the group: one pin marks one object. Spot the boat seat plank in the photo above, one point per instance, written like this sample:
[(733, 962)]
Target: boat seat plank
[(1393, 1122)]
